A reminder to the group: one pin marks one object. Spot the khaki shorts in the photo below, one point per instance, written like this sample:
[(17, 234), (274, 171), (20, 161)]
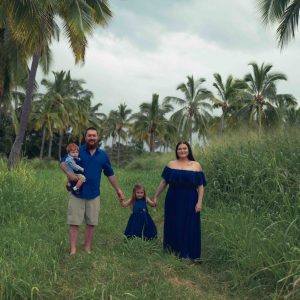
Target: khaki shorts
[(83, 210)]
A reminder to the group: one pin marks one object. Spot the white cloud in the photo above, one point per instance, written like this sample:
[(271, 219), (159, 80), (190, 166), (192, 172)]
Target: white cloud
[(124, 68)]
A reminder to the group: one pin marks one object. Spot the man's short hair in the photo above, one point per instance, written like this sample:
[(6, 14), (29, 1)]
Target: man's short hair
[(90, 128)]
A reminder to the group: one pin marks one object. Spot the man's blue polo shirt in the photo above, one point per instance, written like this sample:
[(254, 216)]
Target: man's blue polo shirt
[(93, 166)]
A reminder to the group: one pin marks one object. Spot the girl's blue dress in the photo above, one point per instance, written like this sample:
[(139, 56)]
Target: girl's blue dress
[(140, 223), (182, 231)]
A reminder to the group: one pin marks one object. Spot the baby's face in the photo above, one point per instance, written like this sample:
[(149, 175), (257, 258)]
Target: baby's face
[(74, 153)]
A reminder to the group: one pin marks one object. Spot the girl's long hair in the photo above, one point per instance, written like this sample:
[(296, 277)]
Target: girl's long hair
[(190, 155), (135, 188)]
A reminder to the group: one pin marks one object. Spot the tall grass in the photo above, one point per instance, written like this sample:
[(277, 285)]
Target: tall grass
[(250, 228), (252, 211), (34, 250)]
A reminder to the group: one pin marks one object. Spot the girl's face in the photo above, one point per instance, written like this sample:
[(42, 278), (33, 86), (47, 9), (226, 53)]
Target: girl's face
[(74, 153), (139, 193), (182, 151)]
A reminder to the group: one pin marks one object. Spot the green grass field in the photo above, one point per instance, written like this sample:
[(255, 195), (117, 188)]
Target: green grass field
[(250, 222)]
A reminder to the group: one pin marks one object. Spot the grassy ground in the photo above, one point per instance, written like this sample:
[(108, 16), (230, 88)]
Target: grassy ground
[(250, 223), (34, 261)]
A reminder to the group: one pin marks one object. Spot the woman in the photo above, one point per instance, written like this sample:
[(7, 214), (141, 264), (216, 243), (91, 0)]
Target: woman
[(183, 203)]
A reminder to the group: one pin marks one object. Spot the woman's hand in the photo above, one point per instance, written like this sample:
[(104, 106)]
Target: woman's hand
[(198, 207)]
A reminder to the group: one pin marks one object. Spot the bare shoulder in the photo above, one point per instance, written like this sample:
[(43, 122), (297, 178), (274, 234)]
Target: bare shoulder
[(172, 163), (197, 166)]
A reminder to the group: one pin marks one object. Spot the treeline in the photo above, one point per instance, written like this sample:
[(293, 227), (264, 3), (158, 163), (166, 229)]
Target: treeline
[(65, 110)]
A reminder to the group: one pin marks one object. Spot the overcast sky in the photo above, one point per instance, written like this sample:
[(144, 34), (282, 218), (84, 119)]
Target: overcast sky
[(151, 46)]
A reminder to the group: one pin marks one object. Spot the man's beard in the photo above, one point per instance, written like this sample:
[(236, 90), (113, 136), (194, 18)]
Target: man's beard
[(92, 146)]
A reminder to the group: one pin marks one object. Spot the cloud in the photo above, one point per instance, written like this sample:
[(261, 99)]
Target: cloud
[(140, 55)]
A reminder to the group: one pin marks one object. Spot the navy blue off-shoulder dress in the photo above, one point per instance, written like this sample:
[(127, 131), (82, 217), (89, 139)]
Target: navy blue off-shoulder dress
[(140, 223), (182, 231)]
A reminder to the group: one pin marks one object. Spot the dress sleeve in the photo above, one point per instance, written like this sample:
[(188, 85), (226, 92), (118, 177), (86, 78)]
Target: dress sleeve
[(201, 180), (166, 174)]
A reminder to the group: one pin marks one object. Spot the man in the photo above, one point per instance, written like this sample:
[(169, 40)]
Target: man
[(85, 205)]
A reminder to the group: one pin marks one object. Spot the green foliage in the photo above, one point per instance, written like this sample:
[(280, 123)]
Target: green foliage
[(150, 161), (34, 260), (252, 211), (250, 229)]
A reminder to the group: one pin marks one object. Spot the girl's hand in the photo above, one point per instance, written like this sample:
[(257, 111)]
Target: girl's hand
[(155, 201), (198, 207)]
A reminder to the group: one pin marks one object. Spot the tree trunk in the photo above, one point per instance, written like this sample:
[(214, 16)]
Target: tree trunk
[(152, 141), (259, 118), (190, 128), (118, 152), (15, 153), (43, 142), (191, 136), (221, 128), (50, 146), (61, 137)]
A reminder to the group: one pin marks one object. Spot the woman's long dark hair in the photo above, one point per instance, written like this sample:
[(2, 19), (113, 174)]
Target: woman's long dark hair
[(190, 155)]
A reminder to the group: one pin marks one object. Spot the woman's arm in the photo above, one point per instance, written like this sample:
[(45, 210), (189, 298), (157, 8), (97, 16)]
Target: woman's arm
[(200, 198), (150, 202), (162, 185)]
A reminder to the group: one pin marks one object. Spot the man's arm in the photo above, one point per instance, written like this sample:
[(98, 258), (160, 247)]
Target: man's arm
[(71, 176), (113, 181), (74, 166)]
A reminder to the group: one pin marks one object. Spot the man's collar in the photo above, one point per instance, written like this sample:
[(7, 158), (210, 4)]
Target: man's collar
[(85, 148)]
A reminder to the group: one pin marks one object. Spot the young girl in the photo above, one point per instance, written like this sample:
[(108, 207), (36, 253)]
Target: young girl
[(140, 223)]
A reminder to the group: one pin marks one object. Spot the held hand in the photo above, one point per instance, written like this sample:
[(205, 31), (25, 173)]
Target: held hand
[(198, 207), (120, 194), (155, 201)]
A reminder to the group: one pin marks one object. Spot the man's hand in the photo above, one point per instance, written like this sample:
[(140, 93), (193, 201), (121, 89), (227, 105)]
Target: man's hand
[(120, 194), (72, 177)]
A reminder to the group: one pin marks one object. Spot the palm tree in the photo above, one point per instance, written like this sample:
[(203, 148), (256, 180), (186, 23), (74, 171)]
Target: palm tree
[(150, 121), (49, 114), (108, 127), (282, 12), (282, 104), (33, 27), (292, 117), (122, 123), (13, 69), (261, 91), (227, 96), (195, 111)]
